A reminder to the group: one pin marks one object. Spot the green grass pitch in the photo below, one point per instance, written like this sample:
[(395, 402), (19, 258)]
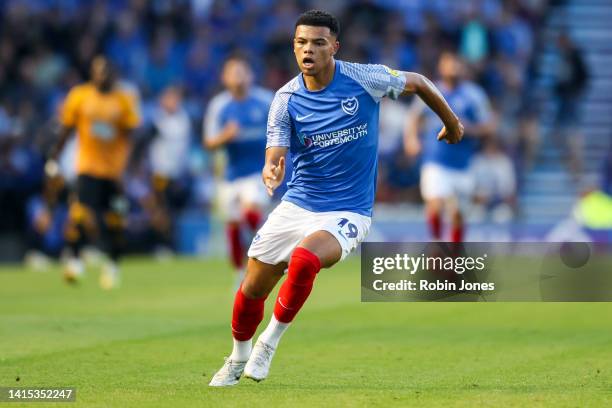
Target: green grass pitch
[(158, 340)]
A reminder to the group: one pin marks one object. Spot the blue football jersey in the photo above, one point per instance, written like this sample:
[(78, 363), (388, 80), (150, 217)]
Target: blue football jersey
[(471, 105), (332, 135), (245, 154)]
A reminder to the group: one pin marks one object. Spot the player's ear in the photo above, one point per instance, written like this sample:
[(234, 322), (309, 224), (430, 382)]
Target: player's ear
[(335, 47)]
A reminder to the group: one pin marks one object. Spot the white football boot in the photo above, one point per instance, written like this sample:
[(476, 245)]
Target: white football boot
[(229, 374), (258, 366), (74, 270), (110, 277)]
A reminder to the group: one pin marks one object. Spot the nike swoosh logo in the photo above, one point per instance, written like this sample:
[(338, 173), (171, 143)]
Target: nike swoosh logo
[(301, 118), (281, 303)]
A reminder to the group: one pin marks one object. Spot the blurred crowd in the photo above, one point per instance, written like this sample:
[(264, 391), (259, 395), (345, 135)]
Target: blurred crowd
[(169, 53)]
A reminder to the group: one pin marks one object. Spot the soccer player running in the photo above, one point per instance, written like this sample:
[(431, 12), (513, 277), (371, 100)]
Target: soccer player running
[(446, 182), (327, 116), (236, 120), (103, 116)]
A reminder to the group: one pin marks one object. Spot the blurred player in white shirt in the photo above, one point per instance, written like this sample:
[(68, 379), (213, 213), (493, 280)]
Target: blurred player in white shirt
[(168, 155)]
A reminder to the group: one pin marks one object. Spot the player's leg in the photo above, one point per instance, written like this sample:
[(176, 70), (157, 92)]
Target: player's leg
[(110, 215), (229, 201), (235, 248), (75, 237), (434, 214), (81, 226), (319, 249), (163, 228), (331, 242), (259, 281), (253, 200), (457, 224), (458, 203), (435, 187), (268, 255), (248, 312)]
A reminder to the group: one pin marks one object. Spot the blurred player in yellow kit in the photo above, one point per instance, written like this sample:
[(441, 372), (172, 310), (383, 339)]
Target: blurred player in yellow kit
[(103, 116)]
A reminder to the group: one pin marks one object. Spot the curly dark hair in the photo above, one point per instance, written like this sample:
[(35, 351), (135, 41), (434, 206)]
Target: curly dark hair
[(319, 18)]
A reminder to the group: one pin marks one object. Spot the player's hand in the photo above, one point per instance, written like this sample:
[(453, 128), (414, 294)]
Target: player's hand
[(451, 136), (52, 168), (230, 131), (273, 175)]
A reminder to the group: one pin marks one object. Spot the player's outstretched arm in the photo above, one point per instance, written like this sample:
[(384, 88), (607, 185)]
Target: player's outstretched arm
[(51, 166), (226, 135), (452, 132), (273, 172)]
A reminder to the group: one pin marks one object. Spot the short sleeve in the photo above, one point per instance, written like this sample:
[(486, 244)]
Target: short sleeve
[(378, 80), (481, 105), (70, 109), (212, 118), (131, 116), (279, 122)]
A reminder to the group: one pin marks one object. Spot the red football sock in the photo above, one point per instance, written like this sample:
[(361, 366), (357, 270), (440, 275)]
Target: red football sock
[(252, 218), (457, 233), (235, 245), (247, 315), (303, 268), (435, 225)]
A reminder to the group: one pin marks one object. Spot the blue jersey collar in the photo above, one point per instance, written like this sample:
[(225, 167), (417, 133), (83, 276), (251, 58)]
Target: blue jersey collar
[(336, 69)]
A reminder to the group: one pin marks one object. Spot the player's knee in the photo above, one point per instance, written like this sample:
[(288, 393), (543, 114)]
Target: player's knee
[(253, 289), (324, 246), (261, 278), (302, 277), (434, 207), (456, 217), (80, 214)]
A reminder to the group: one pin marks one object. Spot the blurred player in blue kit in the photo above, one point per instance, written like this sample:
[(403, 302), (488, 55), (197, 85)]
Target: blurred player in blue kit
[(446, 181), (236, 121), (327, 117)]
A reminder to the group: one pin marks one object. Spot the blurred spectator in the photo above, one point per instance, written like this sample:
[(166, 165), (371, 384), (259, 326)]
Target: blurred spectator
[(474, 44), (171, 139), (392, 121), (394, 170), (495, 182), (20, 174), (571, 78), (126, 47), (163, 66)]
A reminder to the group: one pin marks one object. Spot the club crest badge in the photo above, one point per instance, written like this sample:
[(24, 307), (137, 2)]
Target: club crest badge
[(350, 105)]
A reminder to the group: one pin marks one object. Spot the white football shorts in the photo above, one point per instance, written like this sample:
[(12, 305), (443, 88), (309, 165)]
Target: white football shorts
[(444, 182), (289, 224), (236, 194)]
